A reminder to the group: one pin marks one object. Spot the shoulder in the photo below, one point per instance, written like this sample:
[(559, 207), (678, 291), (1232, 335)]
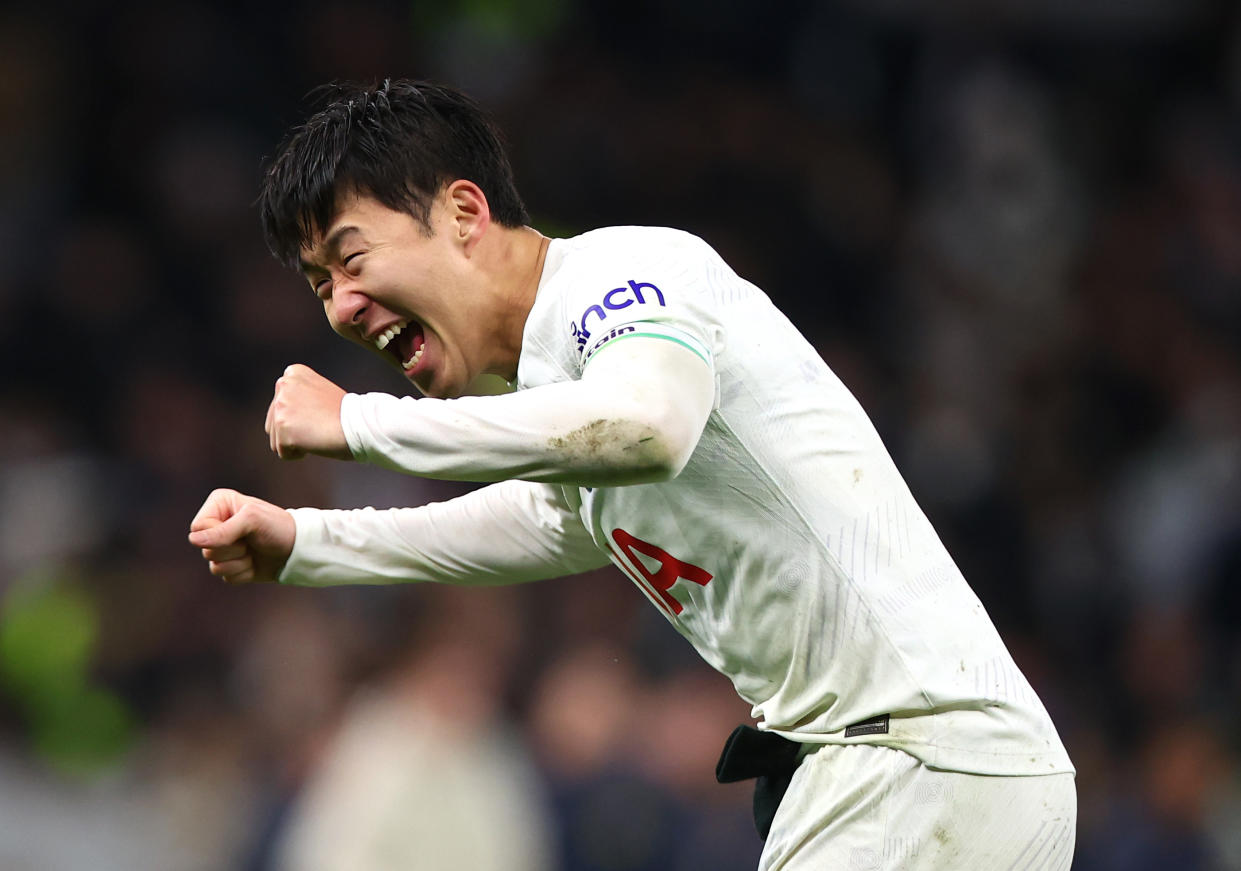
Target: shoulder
[(612, 258), (600, 283), (607, 246), (599, 267), (613, 268)]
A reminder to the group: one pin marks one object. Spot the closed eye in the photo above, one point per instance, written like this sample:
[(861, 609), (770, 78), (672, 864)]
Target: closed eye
[(320, 285)]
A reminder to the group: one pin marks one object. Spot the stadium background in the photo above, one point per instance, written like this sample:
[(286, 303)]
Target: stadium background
[(1013, 227)]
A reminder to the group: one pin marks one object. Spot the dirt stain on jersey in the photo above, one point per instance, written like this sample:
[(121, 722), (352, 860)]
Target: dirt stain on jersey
[(585, 441), (949, 852), (602, 442)]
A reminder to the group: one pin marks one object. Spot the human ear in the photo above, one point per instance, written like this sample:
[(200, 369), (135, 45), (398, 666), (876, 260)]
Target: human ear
[(471, 215)]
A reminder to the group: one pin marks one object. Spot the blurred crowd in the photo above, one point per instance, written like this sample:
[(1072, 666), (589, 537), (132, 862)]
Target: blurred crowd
[(1013, 228)]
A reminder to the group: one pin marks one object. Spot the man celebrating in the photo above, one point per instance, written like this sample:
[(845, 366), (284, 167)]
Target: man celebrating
[(669, 419)]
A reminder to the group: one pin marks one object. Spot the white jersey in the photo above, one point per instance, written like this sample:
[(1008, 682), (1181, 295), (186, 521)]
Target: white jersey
[(788, 551)]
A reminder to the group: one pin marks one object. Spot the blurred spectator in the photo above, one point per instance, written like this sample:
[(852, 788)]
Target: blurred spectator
[(424, 771), (631, 766), (1170, 819)]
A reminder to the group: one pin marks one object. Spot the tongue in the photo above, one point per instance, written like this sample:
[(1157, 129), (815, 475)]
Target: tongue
[(409, 341)]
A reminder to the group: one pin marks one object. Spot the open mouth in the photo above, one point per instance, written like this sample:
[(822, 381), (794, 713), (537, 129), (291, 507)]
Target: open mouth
[(404, 341)]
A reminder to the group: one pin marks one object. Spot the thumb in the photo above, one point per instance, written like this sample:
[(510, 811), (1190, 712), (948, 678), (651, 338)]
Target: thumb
[(223, 534)]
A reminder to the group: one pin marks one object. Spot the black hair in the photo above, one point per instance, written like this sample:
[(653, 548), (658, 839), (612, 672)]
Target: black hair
[(399, 142)]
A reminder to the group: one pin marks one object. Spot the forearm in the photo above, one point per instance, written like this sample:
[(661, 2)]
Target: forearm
[(507, 533), (635, 419), (555, 434)]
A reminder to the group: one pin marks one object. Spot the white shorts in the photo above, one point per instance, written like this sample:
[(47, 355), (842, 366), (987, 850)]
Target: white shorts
[(860, 807)]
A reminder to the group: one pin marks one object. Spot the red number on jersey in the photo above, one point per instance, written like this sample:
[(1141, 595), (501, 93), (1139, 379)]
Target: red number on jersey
[(670, 570)]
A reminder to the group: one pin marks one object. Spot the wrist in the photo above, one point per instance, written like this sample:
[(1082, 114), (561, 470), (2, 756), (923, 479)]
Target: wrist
[(349, 428)]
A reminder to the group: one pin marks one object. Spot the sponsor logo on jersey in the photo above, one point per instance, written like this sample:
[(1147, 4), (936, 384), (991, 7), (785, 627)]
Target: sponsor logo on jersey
[(617, 298), (616, 331)]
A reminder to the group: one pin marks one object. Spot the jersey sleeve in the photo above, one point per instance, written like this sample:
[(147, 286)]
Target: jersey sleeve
[(636, 407), (509, 532), (642, 294)]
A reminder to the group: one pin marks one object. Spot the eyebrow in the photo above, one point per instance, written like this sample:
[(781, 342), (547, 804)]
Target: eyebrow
[(330, 244)]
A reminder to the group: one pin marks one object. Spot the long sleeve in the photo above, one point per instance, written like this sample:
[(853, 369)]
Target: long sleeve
[(509, 532), (635, 416)]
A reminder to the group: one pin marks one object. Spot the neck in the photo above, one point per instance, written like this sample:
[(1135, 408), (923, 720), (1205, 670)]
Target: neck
[(517, 267)]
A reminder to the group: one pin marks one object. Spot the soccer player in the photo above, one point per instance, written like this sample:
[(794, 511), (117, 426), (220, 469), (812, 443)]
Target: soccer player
[(669, 419)]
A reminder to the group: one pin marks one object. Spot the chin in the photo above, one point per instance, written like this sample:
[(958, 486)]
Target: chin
[(447, 393), (436, 390)]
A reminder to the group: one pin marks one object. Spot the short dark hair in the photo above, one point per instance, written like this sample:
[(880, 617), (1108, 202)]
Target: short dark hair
[(399, 142)]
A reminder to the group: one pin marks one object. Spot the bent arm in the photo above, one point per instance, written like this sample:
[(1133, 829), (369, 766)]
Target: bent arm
[(509, 532), (634, 417)]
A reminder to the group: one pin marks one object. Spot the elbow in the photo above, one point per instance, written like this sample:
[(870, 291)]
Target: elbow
[(660, 444), (655, 457), (625, 450)]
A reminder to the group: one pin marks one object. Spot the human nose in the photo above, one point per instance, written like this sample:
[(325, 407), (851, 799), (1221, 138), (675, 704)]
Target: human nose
[(348, 306)]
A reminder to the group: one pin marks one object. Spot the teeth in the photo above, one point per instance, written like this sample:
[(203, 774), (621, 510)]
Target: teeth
[(382, 340), (413, 361)]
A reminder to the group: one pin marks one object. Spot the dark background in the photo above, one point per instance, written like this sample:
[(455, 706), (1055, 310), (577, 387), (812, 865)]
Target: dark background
[(1013, 228)]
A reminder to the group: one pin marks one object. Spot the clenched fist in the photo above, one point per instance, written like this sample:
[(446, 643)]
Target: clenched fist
[(304, 416), (244, 540)]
